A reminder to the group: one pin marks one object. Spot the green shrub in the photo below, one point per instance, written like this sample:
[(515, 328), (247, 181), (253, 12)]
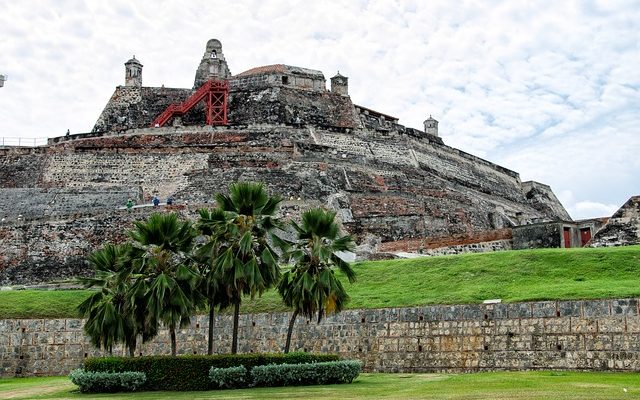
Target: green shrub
[(230, 378), (107, 382), (191, 372), (306, 374)]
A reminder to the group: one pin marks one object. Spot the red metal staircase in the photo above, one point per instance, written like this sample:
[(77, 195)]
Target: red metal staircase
[(215, 94)]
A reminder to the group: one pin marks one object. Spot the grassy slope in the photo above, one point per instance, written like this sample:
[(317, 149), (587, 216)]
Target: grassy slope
[(512, 276), (495, 385)]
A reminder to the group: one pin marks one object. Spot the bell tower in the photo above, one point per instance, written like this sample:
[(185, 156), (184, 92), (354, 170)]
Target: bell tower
[(340, 84), (431, 126), (213, 65), (133, 73)]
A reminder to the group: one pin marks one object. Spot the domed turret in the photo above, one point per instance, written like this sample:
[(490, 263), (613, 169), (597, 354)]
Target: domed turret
[(213, 65), (340, 84), (133, 73), (431, 126)]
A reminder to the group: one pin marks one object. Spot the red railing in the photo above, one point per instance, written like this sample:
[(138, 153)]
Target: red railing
[(214, 92)]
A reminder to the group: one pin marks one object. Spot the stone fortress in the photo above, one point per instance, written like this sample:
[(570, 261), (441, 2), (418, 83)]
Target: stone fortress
[(394, 187), (397, 189)]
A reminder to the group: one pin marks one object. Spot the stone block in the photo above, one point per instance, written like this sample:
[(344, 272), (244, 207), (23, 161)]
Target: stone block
[(557, 325), (544, 309), (598, 342), (500, 310), (584, 325), (54, 325), (624, 307), (611, 324), (473, 311), (452, 313), (596, 308), (534, 326), (519, 310), (571, 308), (633, 324)]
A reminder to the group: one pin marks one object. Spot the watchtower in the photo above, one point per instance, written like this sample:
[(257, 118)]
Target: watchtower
[(133, 73), (340, 84), (431, 126), (213, 65)]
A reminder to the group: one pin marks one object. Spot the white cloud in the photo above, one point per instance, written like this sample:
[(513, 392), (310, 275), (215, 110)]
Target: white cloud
[(548, 88)]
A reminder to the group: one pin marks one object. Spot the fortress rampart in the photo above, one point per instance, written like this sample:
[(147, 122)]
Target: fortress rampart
[(589, 335)]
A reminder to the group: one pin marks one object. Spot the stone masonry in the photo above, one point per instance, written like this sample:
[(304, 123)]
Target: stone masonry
[(409, 190), (597, 335)]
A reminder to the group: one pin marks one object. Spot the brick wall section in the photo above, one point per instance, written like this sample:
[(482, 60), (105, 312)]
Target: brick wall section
[(432, 243), (567, 335)]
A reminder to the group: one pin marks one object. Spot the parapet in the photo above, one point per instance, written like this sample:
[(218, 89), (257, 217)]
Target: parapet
[(279, 75)]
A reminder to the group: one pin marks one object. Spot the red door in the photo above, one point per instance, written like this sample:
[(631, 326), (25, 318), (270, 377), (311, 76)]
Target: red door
[(567, 237), (585, 236)]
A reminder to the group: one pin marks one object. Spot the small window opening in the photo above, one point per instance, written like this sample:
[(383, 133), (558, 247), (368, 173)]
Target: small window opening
[(419, 347), (285, 80), (486, 347)]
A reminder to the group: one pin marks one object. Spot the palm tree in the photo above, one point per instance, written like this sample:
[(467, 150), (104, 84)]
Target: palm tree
[(211, 285), (110, 312), (243, 230), (310, 287), (163, 273)]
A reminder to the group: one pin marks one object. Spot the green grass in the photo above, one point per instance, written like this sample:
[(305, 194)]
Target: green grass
[(522, 275), (493, 385)]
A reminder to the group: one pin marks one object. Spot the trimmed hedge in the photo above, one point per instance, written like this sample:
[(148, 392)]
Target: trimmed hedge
[(107, 382), (191, 372), (231, 378), (321, 373)]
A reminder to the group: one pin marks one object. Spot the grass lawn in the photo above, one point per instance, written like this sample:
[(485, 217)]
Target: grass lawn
[(545, 274), (493, 385)]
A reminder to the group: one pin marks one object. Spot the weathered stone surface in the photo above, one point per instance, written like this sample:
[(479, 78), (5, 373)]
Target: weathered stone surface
[(451, 338), (623, 228), (383, 193)]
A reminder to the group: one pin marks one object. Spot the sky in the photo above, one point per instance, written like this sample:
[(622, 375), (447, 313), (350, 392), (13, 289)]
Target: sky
[(550, 89)]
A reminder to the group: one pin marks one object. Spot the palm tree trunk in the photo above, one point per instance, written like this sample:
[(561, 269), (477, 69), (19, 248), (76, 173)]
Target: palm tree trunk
[(211, 316), (236, 317), (172, 330), (132, 346), (290, 331)]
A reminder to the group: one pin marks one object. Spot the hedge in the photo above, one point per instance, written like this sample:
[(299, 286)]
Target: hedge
[(321, 373), (107, 382), (191, 372), (229, 378)]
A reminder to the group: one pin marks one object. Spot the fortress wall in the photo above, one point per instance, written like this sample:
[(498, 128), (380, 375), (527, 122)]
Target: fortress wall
[(564, 335), (490, 240), (55, 248), (38, 203), (21, 167), (623, 228), (376, 191)]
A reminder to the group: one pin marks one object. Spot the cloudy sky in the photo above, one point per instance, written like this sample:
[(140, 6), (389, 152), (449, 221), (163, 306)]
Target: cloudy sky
[(550, 89)]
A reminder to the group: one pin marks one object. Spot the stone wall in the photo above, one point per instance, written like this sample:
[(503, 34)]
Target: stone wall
[(394, 187), (567, 335), (623, 228)]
